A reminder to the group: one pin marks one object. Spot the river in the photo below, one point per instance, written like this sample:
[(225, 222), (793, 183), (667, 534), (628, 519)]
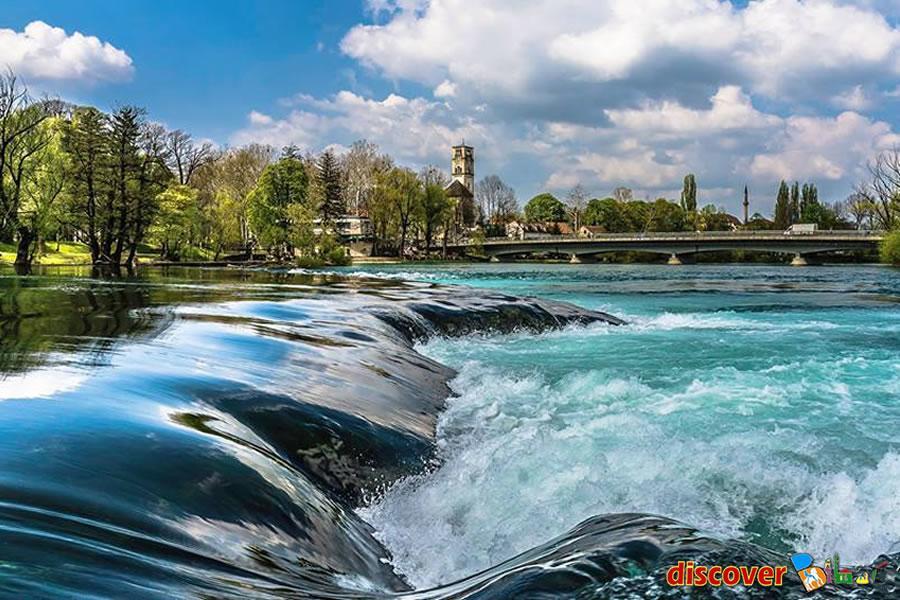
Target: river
[(371, 432)]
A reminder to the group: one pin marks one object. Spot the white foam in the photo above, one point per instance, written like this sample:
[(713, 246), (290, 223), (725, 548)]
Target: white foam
[(855, 514)]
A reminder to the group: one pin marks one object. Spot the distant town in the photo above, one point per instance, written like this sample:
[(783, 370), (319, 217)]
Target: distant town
[(119, 189)]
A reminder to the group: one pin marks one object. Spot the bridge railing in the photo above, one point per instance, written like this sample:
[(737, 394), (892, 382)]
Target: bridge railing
[(691, 235)]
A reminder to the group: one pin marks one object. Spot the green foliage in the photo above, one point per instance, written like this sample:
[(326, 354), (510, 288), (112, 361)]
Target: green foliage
[(783, 207), (328, 185), (890, 248), (177, 222), (281, 187), (544, 208), (795, 204), (711, 218), (689, 194), (435, 210)]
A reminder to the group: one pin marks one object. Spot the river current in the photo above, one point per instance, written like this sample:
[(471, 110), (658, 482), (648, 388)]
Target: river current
[(365, 433)]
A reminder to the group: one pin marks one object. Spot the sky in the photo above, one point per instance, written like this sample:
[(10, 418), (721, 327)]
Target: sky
[(552, 93)]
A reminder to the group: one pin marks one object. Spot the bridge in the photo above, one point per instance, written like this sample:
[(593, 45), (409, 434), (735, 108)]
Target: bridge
[(681, 244)]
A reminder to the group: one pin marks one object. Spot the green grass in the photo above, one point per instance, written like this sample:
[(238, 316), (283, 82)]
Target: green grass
[(69, 253)]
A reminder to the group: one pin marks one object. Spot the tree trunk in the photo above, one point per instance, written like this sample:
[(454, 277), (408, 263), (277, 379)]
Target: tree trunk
[(23, 249)]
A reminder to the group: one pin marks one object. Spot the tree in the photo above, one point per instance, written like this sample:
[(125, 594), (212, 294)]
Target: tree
[(497, 200), (545, 208), (689, 198), (794, 204), (890, 248), (383, 213), (689, 194), (623, 194), (185, 157), (281, 186), (405, 191), (23, 138), (667, 216), (86, 143), (177, 221), (360, 167), (576, 203), (225, 185), (884, 189), (328, 186), (861, 209), (41, 210), (783, 207), (436, 208)]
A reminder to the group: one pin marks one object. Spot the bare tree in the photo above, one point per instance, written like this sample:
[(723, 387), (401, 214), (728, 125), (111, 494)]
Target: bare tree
[(884, 190), (185, 156), (496, 200), (360, 167), (576, 203), (860, 208), (623, 194)]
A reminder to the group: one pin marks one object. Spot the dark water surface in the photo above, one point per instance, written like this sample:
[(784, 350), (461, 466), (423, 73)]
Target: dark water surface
[(214, 433)]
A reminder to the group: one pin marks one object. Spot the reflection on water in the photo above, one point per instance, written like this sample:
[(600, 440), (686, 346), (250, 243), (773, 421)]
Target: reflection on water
[(212, 433), (208, 432)]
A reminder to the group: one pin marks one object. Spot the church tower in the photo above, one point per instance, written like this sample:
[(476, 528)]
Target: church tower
[(462, 166)]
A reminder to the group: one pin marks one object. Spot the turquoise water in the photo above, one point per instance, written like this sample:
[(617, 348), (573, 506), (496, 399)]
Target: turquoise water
[(758, 402)]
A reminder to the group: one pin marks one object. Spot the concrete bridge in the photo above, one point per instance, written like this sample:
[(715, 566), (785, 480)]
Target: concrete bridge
[(681, 244)]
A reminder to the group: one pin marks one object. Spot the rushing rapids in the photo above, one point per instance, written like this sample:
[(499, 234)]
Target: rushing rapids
[(212, 434)]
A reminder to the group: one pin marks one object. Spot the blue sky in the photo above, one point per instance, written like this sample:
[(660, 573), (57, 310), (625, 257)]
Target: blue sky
[(551, 92), (204, 65)]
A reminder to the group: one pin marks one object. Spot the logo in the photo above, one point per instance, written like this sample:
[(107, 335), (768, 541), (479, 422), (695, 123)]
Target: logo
[(814, 577), (689, 574)]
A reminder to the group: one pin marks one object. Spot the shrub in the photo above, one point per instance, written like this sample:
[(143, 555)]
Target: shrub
[(890, 248)]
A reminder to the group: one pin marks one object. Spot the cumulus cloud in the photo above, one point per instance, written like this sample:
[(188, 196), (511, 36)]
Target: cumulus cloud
[(618, 92), (415, 130), (770, 47), (41, 51), (831, 148), (731, 109)]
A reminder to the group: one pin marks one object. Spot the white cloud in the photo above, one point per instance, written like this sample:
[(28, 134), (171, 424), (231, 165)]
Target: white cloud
[(731, 109), (445, 89), (44, 52), (770, 47), (820, 147), (412, 129), (855, 98), (618, 92), (258, 118)]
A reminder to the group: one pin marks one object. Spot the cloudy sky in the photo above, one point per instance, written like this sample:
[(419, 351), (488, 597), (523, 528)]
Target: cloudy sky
[(550, 92)]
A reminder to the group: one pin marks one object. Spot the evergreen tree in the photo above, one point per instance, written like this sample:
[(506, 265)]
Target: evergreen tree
[(689, 194), (783, 207), (795, 204), (689, 198), (330, 188)]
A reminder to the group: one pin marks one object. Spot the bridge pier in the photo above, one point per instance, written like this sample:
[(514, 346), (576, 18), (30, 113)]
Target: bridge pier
[(674, 260), (799, 261)]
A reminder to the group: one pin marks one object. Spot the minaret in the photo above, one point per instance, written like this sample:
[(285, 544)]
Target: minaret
[(462, 166), (746, 206)]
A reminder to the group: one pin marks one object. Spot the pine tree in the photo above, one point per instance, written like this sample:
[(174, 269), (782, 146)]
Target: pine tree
[(783, 207), (329, 183), (795, 204)]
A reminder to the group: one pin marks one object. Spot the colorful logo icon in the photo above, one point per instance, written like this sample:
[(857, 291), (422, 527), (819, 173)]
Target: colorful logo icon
[(811, 576)]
